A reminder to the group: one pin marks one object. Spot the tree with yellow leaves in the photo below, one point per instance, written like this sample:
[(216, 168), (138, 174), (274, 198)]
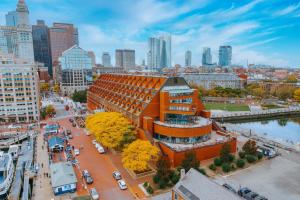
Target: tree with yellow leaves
[(297, 95), (56, 88), (138, 154), (111, 129), (44, 87)]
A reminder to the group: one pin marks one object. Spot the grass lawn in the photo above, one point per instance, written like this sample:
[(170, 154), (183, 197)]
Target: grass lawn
[(270, 106), (82, 198), (227, 107)]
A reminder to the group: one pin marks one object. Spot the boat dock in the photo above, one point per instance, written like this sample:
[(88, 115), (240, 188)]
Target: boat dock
[(23, 172)]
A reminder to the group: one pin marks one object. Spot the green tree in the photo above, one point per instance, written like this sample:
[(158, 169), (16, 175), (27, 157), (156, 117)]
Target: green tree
[(225, 153), (50, 110), (190, 161), (80, 96), (292, 78), (297, 95), (163, 167)]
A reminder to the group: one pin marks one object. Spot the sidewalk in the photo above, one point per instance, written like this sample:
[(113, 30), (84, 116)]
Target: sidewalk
[(42, 184)]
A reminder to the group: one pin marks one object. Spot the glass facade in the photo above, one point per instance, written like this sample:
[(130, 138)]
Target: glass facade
[(185, 140)]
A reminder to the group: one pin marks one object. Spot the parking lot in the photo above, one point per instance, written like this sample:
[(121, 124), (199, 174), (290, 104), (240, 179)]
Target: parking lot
[(276, 179)]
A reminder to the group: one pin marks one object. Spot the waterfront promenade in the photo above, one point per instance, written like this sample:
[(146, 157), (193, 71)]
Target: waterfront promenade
[(244, 115)]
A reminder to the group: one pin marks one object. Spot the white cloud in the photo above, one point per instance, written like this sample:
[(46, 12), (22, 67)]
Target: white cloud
[(287, 10)]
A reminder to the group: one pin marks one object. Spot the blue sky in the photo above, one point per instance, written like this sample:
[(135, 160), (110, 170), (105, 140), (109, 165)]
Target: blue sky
[(260, 31)]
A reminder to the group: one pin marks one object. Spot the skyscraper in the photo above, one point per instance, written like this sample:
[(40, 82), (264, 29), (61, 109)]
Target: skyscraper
[(206, 56), (188, 58), (165, 51), (159, 52), (62, 37), (41, 44), (106, 59), (225, 55), (17, 39), (11, 18), (125, 58)]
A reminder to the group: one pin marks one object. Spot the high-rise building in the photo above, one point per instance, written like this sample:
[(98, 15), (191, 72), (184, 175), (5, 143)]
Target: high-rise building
[(159, 52), (188, 58), (41, 44), (165, 51), (225, 55), (206, 56), (19, 93), (106, 61), (11, 18), (125, 58), (76, 70), (62, 37), (18, 39)]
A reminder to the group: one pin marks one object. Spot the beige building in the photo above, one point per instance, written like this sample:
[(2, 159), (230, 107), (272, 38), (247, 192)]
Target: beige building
[(19, 90)]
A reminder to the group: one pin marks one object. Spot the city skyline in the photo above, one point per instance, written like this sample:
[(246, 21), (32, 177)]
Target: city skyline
[(262, 32)]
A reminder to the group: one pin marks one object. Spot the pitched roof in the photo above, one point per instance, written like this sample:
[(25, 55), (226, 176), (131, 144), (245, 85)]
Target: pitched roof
[(195, 186), (62, 173)]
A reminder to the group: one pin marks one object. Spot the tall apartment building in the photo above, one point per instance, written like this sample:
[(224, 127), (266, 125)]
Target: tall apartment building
[(92, 55), (62, 37), (159, 52), (225, 55), (17, 39), (19, 92), (106, 60), (76, 70), (188, 58), (125, 58), (163, 108), (41, 44), (206, 56)]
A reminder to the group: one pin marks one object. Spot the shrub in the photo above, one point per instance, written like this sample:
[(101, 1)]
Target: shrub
[(231, 157), (251, 158), (145, 184), (201, 170), (259, 155), (226, 167), (217, 161), (150, 189), (175, 178), (162, 184), (240, 163), (212, 167), (242, 154), (233, 167), (156, 179)]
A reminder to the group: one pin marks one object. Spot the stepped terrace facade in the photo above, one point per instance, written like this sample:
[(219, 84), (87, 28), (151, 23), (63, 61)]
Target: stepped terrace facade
[(165, 110)]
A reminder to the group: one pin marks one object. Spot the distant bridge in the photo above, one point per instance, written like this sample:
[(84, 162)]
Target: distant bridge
[(247, 115)]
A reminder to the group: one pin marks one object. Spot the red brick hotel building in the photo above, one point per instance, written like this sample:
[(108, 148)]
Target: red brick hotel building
[(165, 110)]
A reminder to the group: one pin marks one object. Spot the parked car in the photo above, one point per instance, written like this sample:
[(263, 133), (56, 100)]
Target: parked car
[(250, 195), (94, 142), (76, 152), (117, 175), (74, 124), (88, 178), (100, 149), (243, 191), (69, 132), (122, 184), (70, 136), (229, 187), (71, 120), (260, 198), (94, 194)]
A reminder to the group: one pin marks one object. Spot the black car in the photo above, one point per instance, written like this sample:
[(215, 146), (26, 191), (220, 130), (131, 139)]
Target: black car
[(243, 191), (71, 120), (229, 187), (74, 124)]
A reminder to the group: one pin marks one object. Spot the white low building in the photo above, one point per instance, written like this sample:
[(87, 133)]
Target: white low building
[(63, 178)]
